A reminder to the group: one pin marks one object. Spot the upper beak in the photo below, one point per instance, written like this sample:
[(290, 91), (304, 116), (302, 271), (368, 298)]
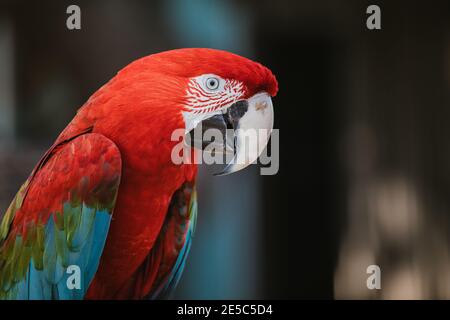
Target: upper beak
[(245, 128)]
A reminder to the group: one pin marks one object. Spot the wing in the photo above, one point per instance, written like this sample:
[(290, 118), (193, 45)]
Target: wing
[(176, 241), (53, 233), (161, 270)]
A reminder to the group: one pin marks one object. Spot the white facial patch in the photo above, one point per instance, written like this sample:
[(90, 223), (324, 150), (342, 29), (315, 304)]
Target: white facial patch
[(209, 92), (207, 95)]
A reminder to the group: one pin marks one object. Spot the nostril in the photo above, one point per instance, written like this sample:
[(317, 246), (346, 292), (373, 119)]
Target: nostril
[(260, 105)]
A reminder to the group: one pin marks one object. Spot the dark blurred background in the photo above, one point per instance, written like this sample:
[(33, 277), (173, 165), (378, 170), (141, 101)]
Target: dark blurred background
[(363, 116)]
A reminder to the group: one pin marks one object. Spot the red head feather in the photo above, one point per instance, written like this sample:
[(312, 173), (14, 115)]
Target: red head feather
[(188, 63)]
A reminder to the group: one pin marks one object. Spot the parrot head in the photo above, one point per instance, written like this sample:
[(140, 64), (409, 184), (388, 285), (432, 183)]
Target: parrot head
[(225, 92), (207, 88)]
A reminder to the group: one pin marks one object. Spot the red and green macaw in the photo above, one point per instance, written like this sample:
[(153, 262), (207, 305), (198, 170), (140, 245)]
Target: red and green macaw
[(107, 197)]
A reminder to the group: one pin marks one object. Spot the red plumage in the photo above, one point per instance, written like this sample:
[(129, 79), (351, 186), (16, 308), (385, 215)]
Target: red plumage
[(138, 110)]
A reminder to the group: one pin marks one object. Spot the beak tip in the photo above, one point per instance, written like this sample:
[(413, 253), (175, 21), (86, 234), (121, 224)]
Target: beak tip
[(221, 174)]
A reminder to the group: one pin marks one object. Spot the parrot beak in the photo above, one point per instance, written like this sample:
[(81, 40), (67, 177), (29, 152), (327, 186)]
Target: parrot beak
[(252, 121), (245, 129)]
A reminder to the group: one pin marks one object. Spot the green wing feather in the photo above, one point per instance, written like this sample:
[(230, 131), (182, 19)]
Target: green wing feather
[(50, 227)]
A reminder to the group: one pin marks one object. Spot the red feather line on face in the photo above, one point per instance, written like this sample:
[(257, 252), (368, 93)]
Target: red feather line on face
[(200, 101)]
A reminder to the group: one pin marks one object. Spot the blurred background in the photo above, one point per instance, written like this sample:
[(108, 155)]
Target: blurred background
[(363, 116)]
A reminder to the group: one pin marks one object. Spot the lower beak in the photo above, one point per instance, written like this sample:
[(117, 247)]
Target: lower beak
[(245, 128)]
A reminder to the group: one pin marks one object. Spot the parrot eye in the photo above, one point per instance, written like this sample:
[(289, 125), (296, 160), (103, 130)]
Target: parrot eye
[(212, 83)]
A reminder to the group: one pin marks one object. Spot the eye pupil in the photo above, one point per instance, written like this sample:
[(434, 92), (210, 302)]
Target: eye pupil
[(212, 83)]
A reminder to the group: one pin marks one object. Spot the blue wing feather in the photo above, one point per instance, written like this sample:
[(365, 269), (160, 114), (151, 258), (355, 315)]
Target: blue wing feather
[(76, 241), (167, 287)]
